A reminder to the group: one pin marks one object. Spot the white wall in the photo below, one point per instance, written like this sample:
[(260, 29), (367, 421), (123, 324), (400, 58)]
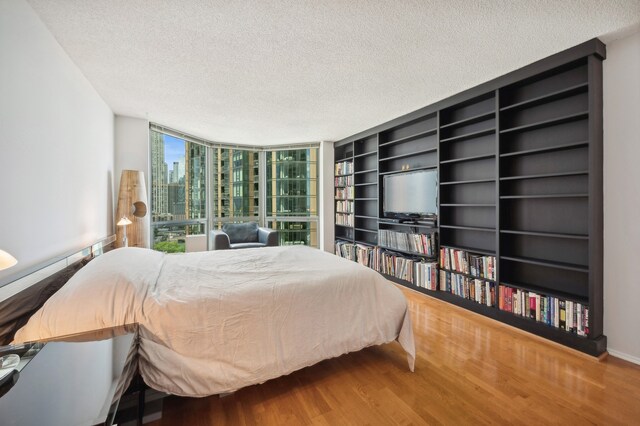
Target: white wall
[(131, 148), (132, 153), (622, 197), (327, 230), (56, 146)]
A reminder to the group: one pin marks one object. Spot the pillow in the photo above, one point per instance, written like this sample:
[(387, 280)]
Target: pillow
[(241, 232)]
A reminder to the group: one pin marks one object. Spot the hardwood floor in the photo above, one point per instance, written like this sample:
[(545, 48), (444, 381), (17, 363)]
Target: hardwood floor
[(469, 370)]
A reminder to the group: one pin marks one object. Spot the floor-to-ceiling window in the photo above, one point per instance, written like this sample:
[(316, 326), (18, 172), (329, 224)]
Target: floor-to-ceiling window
[(178, 191), (235, 185), (197, 186), (292, 195)]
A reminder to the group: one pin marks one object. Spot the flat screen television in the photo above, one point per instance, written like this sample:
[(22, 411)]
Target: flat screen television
[(410, 195)]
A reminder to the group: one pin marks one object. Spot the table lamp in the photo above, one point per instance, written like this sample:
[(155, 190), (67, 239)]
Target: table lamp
[(6, 260), (124, 222)]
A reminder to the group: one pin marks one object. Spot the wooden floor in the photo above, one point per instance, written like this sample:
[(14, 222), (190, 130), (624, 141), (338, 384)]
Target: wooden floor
[(469, 370)]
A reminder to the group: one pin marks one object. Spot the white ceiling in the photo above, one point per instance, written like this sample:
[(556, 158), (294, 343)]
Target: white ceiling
[(267, 72)]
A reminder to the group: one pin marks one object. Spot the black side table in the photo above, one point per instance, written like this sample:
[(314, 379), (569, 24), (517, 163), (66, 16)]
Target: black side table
[(74, 380)]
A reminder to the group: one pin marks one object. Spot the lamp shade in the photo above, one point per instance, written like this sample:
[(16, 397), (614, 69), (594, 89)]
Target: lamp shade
[(124, 221), (6, 260)]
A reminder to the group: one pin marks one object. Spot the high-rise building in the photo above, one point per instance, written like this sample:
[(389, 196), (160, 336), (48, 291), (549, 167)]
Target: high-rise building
[(292, 191), (176, 201), (235, 183), (177, 173), (195, 180), (159, 195)]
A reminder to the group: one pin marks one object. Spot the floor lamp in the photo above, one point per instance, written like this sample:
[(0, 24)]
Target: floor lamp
[(132, 205)]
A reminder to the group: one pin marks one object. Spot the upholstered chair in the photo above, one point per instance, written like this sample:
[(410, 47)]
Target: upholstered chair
[(242, 235)]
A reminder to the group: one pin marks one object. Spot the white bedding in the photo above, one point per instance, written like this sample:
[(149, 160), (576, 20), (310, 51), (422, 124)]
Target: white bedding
[(217, 321)]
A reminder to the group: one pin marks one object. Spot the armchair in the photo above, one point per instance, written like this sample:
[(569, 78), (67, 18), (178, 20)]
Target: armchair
[(242, 235)]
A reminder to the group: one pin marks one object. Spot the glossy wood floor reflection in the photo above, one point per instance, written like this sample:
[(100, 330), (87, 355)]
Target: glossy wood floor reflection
[(469, 370)]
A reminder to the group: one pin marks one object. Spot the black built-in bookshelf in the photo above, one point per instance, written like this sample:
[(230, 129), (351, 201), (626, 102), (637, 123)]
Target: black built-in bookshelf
[(519, 162)]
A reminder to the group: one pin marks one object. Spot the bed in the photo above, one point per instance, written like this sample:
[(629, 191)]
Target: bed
[(214, 322)]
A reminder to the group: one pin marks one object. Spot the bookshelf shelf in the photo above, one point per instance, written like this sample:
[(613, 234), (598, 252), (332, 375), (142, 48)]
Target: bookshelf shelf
[(469, 228), (546, 175), (464, 182), (474, 157), (365, 171), (557, 265), (545, 234), (519, 162), (408, 154), (470, 135), (409, 138), (466, 121), (366, 230), (539, 100), (517, 197), (365, 154), (546, 123), (468, 205), (560, 147)]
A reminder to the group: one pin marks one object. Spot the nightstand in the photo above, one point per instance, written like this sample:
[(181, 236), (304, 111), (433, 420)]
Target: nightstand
[(74, 380)]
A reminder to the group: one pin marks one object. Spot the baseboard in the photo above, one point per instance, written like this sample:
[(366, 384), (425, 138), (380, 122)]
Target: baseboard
[(624, 356)]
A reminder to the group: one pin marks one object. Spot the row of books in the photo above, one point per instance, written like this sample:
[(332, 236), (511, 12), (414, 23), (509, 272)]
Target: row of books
[(426, 274), (343, 181), (346, 192), (344, 168), (344, 219), (344, 206), (366, 255), (478, 290), (346, 250), (559, 313), (415, 271), (467, 263), (563, 314), (417, 243)]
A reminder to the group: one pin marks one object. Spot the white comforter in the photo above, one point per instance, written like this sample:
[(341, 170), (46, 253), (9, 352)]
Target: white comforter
[(217, 321)]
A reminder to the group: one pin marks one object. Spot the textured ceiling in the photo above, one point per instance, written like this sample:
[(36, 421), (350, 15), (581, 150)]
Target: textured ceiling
[(267, 72)]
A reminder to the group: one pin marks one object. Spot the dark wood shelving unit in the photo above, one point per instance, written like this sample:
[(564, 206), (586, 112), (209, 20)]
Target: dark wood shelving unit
[(519, 163)]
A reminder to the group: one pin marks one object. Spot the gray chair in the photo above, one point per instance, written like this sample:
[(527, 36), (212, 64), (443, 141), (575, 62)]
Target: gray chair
[(242, 235)]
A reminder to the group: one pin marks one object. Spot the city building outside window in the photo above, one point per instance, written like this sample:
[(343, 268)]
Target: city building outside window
[(196, 187), (178, 191), (292, 195)]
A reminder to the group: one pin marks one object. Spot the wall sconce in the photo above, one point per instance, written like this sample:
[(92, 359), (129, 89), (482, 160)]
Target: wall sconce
[(6, 260), (124, 222)]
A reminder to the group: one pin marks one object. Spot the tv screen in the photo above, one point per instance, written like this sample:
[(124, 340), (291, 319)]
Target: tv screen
[(412, 194)]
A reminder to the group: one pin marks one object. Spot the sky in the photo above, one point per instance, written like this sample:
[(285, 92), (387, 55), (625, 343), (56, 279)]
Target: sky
[(173, 150)]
